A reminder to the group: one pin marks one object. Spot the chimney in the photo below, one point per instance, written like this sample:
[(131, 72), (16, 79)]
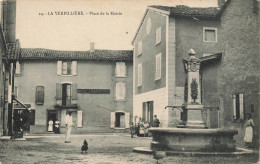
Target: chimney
[(221, 3), (11, 20), (92, 47)]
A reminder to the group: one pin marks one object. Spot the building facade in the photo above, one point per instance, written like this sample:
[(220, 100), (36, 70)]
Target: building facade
[(163, 39), (95, 85), (225, 40), (9, 54)]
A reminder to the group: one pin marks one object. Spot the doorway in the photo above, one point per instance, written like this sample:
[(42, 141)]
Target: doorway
[(23, 119), (52, 115), (120, 120), (148, 111)]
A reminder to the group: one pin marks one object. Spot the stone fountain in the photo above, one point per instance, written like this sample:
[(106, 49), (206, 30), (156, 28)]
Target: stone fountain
[(192, 135)]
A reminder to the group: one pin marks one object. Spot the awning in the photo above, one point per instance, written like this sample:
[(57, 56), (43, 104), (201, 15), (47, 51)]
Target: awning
[(24, 106)]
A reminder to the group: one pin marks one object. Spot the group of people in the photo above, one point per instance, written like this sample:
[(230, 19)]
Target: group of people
[(55, 128), (142, 127)]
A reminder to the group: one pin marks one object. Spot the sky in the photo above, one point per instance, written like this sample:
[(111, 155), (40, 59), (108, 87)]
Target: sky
[(38, 26)]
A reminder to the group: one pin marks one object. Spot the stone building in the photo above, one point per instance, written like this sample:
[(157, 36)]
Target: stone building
[(225, 40), (95, 85), (9, 54)]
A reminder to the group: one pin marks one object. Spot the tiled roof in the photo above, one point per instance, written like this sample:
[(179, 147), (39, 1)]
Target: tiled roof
[(182, 10), (211, 57), (13, 49), (47, 54)]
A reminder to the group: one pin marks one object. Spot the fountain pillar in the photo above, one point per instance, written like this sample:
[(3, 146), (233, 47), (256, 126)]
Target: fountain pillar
[(193, 94)]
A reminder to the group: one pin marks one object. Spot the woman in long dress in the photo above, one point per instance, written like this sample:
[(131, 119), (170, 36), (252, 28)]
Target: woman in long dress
[(249, 131), (50, 126)]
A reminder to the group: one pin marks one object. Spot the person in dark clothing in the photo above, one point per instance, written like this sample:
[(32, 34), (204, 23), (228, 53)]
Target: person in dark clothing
[(156, 121)]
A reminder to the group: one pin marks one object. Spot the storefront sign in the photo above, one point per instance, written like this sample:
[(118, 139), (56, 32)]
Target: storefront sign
[(94, 91)]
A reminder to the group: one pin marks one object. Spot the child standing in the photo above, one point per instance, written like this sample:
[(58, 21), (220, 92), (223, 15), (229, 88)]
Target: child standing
[(132, 129)]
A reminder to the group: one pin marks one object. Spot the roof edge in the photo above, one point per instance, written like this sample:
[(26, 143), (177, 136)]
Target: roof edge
[(142, 20)]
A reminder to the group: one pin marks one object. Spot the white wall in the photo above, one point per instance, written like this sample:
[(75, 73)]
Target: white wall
[(159, 102)]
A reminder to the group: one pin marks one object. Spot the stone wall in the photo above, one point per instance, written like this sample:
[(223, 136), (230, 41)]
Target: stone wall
[(240, 64)]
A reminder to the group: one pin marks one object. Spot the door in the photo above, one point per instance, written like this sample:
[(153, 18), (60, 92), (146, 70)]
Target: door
[(122, 121), (52, 116)]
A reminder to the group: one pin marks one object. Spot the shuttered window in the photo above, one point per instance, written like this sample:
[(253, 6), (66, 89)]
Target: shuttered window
[(158, 62), (158, 35), (120, 91), (120, 69), (238, 106), (209, 34), (67, 68), (139, 74), (39, 96), (66, 92)]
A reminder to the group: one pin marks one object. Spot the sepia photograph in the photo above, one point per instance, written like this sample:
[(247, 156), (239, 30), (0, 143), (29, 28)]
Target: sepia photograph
[(129, 81)]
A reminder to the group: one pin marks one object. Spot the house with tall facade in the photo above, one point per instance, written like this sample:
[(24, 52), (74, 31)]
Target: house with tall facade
[(225, 41), (95, 86), (9, 54)]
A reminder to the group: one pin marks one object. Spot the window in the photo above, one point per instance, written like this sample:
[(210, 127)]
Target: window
[(67, 67), (209, 34), (158, 66), (139, 48), (120, 91), (39, 96), (120, 69), (158, 35), (139, 74), (238, 106), (18, 68), (120, 120), (66, 92), (148, 111)]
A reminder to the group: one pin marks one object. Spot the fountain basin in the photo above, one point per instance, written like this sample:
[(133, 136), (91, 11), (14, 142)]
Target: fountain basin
[(189, 139)]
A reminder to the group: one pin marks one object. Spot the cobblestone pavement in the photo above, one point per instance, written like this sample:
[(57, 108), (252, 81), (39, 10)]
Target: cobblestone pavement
[(103, 149)]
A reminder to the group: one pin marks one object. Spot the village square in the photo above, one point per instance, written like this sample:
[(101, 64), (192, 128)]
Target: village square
[(184, 89)]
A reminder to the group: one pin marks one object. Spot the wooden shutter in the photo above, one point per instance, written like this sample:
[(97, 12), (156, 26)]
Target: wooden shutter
[(74, 91), (58, 91), (124, 69), (63, 117), (59, 66), (123, 90), (151, 111), (112, 120), (144, 110), (9, 93), (241, 106), (160, 34), (117, 91), (74, 67), (79, 118), (39, 95), (117, 70), (18, 68), (234, 107), (127, 120)]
